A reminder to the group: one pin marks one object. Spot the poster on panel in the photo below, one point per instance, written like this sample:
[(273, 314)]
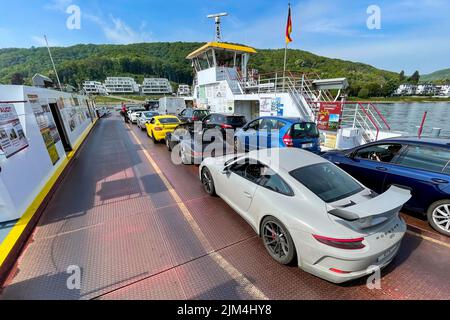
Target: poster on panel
[(47, 127), (12, 136)]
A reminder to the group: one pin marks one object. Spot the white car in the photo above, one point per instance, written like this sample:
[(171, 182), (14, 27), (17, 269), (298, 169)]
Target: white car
[(134, 116), (305, 207), (144, 118)]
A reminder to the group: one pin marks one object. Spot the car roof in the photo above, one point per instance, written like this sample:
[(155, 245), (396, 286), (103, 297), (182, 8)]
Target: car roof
[(288, 158), (288, 119), (227, 114), (165, 116), (423, 140)]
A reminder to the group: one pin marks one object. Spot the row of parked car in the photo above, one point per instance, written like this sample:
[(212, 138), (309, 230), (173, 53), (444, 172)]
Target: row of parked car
[(335, 223)]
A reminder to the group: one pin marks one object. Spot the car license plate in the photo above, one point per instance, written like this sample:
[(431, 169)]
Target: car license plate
[(307, 145), (386, 254)]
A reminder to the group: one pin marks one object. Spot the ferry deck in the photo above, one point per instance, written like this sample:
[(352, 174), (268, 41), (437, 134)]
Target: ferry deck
[(140, 227)]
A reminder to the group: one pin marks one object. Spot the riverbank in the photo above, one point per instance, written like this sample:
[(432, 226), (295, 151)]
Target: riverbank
[(400, 99), (123, 98)]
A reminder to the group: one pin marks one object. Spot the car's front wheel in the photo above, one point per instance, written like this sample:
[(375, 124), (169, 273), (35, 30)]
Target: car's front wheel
[(439, 216), (277, 240), (208, 182)]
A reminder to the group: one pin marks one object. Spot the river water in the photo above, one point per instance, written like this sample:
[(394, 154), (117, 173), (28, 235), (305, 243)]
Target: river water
[(408, 116)]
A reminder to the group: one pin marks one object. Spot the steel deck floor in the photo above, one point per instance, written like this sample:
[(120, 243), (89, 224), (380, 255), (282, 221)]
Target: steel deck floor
[(134, 238)]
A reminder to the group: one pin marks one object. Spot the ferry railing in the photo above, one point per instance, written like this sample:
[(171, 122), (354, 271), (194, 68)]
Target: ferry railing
[(380, 115), (358, 116)]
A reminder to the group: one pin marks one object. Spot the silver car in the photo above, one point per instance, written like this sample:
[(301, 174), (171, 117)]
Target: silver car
[(144, 118), (307, 209)]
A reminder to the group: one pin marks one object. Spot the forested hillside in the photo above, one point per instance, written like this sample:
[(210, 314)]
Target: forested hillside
[(95, 62)]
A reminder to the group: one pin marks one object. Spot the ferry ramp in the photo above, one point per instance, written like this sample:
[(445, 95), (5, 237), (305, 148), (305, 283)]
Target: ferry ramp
[(137, 226)]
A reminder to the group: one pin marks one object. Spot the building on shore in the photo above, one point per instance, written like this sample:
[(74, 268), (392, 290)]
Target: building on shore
[(183, 90), (121, 85), (156, 86), (94, 87), (425, 89)]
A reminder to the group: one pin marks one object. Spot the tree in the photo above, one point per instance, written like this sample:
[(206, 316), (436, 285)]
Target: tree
[(363, 93), (401, 76), (17, 79), (414, 78)]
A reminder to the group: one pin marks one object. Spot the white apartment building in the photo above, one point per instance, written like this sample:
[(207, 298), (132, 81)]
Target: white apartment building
[(183, 90), (425, 89), (94, 87), (443, 90), (121, 85), (406, 89), (156, 86)]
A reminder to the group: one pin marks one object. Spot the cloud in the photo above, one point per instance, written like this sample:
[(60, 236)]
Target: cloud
[(58, 5), (118, 32)]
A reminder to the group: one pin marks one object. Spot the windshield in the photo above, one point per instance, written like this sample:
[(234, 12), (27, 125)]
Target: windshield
[(327, 181), (237, 121), (149, 114), (168, 120), (305, 129)]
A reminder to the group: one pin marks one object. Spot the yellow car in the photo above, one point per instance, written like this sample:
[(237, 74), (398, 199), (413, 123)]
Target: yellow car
[(159, 126)]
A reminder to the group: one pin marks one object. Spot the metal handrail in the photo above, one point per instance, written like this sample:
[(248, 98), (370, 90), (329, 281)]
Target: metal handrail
[(370, 118), (380, 115)]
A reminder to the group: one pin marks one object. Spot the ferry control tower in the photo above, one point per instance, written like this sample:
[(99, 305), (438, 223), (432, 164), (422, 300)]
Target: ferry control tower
[(223, 83)]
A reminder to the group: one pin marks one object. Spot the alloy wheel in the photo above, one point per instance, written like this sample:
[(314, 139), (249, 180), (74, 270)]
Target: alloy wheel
[(441, 217), (274, 237), (207, 182)]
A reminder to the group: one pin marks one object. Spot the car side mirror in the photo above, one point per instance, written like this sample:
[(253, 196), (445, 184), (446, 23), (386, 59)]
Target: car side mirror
[(226, 170)]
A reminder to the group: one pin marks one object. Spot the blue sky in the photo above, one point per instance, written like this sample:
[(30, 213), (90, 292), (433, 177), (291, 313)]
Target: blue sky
[(413, 35)]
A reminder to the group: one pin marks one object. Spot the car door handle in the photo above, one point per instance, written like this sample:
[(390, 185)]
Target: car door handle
[(381, 168), (437, 180), (248, 195)]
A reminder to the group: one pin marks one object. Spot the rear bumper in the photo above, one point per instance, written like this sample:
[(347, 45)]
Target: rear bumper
[(381, 248)]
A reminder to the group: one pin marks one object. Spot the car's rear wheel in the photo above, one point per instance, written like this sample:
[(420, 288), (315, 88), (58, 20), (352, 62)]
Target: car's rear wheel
[(185, 159), (277, 240), (439, 216), (168, 145), (208, 182), (153, 137)]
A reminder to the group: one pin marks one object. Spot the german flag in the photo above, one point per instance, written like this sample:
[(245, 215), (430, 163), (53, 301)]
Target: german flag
[(289, 26)]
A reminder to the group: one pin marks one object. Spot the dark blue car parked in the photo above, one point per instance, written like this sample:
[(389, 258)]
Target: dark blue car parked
[(421, 165), (278, 132)]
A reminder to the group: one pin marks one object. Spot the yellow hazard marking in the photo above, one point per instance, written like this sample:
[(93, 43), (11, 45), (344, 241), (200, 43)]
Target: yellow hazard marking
[(247, 286), (428, 238)]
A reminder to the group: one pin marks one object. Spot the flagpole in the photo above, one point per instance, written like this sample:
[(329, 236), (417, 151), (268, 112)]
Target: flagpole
[(284, 65), (286, 46), (53, 63)]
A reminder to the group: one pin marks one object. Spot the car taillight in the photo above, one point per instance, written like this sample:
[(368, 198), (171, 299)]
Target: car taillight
[(350, 244), (158, 128), (287, 140), (194, 118), (226, 126), (339, 271)]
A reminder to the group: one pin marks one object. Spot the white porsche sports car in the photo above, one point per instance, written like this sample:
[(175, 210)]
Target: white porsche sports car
[(306, 208)]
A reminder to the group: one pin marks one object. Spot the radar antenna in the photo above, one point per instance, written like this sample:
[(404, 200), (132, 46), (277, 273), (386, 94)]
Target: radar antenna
[(218, 36)]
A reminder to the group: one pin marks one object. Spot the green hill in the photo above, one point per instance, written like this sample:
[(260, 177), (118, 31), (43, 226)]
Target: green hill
[(440, 75), (95, 62)]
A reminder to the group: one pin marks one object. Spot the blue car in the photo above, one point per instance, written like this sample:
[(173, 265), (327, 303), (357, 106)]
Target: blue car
[(277, 132), (421, 165)]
